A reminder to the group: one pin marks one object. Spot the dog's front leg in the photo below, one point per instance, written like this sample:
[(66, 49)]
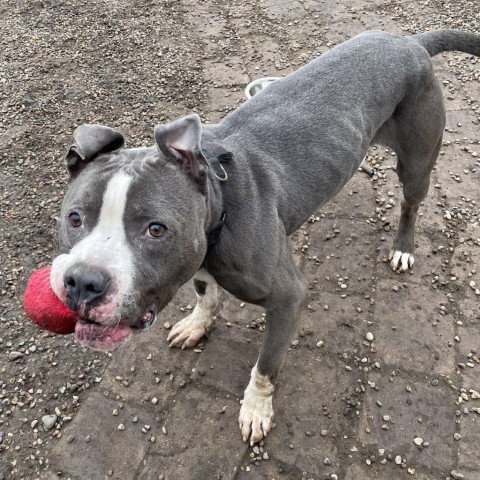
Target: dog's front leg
[(189, 331), (283, 312)]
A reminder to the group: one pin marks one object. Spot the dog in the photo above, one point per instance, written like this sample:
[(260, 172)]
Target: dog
[(217, 203)]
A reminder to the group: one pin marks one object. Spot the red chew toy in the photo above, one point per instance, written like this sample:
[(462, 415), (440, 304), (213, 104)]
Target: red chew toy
[(44, 307)]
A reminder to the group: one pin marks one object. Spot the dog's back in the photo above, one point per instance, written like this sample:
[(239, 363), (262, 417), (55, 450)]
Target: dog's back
[(328, 113)]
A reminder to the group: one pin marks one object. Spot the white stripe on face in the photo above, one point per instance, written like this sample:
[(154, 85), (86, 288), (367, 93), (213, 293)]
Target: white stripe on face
[(114, 201), (106, 247)]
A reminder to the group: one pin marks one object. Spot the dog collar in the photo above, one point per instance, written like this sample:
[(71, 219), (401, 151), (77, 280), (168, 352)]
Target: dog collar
[(215, 164)]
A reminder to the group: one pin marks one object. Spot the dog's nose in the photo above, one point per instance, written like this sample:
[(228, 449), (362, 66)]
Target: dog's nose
[(84, 285)]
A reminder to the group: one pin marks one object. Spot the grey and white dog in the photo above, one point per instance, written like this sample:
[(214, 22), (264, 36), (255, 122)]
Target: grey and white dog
[(218, 202)]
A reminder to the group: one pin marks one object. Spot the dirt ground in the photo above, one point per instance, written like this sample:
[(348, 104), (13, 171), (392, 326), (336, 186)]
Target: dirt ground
[(403, 405)]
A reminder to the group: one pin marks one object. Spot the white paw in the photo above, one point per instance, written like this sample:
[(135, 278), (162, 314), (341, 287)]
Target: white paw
[(400, 261), (256, 413), (255, 419), (189, 331)]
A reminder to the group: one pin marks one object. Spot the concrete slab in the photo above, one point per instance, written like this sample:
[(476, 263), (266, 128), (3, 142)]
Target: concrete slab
[(425, 412), (413, 334), (468, 453), (191, 452), (91, 450)]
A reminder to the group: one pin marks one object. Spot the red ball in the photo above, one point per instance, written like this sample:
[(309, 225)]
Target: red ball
[(44, 307)]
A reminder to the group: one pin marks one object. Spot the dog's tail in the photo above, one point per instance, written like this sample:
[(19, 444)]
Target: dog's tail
[(442, 40)]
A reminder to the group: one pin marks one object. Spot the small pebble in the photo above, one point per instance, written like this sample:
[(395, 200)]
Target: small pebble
[(12, 356), (49, 421)]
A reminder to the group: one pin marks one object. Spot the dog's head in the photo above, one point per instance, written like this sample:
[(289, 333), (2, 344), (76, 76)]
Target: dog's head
[(132, 227)]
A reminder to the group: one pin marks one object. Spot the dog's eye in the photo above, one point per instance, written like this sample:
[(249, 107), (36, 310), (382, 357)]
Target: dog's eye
[(75, 220), (156, 230)]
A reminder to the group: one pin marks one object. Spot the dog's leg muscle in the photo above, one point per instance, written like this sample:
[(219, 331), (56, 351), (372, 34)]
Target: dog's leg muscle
[(419, 138), (188, 332), (283, 312)]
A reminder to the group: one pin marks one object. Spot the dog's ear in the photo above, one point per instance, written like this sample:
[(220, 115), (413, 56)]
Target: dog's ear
[(90, 141), (181, 141)]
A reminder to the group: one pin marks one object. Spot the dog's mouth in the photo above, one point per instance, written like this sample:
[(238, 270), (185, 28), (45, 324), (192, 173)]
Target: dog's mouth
[(108, 337)]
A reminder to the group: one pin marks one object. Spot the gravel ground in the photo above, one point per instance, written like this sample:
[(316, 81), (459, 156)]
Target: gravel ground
[(63, 64), (132, 64)]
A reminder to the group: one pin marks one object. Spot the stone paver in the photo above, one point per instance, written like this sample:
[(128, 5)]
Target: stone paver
[(93, 447), (200, 441), (415, 409), (419, 333), (469, 454)]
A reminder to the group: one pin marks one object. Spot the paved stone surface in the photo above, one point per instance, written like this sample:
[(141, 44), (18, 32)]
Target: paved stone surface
[(147, 412)]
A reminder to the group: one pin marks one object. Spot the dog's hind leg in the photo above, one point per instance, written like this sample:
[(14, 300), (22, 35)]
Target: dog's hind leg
[(419, 129), (188, 332)]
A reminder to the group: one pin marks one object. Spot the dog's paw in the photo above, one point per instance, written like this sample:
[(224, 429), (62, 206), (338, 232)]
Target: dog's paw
[(400, 261), (189, 331), (256, 413), (255, 419)]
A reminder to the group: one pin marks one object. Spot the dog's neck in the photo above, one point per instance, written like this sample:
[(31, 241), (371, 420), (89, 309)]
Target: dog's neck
[(216, 196)]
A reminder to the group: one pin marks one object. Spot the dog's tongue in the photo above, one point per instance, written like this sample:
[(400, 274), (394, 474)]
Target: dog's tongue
[(100, 337)]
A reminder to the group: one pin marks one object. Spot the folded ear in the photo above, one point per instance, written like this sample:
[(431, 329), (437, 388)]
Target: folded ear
[(181, 141), (90, 141)]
